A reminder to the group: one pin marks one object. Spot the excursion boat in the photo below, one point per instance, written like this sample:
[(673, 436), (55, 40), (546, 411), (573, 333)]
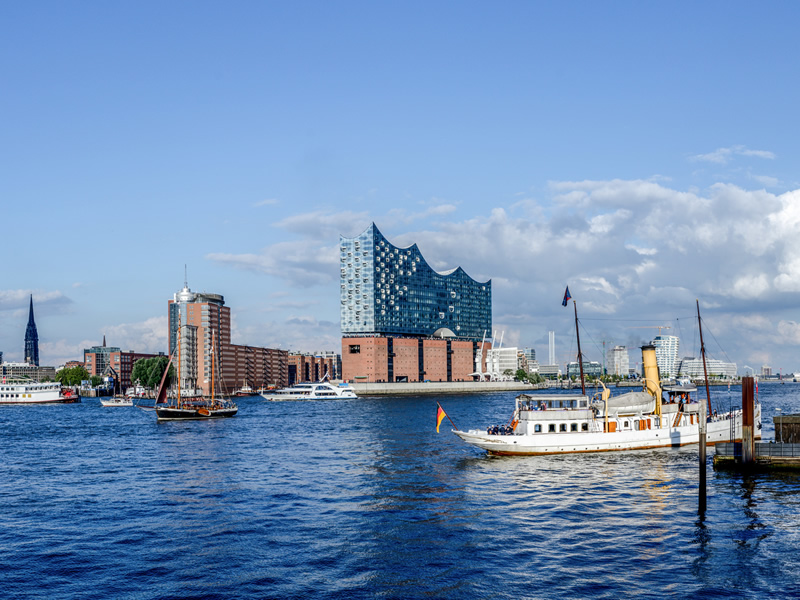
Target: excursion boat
[(321, 390), (655, 417), (245, 390), (27, 391), (117, 401)]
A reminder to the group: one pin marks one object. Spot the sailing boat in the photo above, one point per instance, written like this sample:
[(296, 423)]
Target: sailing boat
[(191, 406), (652, 418)]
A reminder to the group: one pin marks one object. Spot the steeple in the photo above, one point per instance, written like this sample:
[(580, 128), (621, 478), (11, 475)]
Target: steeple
[(31, 339)]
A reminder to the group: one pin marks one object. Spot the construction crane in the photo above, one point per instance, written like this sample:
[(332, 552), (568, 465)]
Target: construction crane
[(659, 327)]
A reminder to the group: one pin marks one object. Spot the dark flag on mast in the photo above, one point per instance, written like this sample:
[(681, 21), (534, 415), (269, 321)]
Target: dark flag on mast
[(566, 297)]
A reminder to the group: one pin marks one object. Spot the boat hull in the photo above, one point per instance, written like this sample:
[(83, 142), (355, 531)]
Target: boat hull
[(194, 413)]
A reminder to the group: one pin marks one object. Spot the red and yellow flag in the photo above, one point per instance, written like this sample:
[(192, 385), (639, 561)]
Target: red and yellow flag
[(440, 415)]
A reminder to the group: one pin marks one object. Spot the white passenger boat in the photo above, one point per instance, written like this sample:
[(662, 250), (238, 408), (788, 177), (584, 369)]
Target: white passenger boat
[(321, 390), (117, 401), (654, 418), (27, 391)]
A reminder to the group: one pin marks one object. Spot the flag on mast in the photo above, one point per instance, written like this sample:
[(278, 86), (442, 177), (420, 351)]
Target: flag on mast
[(440, 415), (567, 297)]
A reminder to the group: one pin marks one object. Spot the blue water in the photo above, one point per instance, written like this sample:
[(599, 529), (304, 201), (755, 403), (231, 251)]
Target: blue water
[(363, 499)]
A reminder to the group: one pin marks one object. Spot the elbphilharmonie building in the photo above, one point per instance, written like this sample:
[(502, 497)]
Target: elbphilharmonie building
[(392, 293)]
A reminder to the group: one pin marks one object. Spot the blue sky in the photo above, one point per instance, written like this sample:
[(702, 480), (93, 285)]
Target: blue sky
[(640, 152)]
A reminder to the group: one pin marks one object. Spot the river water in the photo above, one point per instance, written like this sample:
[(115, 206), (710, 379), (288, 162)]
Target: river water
[(363, 499)]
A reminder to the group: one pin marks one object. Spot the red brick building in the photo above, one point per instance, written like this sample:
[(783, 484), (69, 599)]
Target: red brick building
[(390, 359)]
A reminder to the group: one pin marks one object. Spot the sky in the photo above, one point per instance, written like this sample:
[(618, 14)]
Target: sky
[(642, 153)]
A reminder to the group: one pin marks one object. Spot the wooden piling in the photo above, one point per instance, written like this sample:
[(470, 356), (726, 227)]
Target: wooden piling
[(748, 411)]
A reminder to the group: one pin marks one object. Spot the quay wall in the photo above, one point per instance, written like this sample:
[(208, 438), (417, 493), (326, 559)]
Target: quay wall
[(440, 387)]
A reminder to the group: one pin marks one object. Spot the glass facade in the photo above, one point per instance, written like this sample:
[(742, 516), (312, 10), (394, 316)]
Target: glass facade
[(388, 290)]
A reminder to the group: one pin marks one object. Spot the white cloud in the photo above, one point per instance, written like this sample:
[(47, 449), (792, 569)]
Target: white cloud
[(148, 336), (722, 156), (267, 202)]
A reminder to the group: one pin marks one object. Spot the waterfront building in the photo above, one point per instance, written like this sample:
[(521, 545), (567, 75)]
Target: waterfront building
[(111, 361), (550, 371), (667, 355), (551, 337), (618, 361), (766, 371), (305, 368), (590, 369), (502, 363), (31, 339), (205, 327), (693, 368), (403, 321), (27, 371)]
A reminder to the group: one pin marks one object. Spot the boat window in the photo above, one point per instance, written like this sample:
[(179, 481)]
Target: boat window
[(537, 428), (584, 427), (551, 428), (563, 427), (626, 424), (573, 427)]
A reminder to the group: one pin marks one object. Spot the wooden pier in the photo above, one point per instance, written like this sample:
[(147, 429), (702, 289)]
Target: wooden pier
[(766, 455)]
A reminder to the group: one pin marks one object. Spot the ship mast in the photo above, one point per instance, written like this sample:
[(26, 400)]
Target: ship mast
[(580, 355), (703, 354)]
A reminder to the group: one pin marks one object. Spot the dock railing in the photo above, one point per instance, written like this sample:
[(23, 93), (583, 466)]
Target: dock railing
[(762, 449)]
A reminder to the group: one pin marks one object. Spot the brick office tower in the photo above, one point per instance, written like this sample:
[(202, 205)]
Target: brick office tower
[(403, 321), (205, 326)]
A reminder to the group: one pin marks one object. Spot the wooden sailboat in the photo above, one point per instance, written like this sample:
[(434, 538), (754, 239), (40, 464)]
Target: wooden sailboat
[(191, 406)]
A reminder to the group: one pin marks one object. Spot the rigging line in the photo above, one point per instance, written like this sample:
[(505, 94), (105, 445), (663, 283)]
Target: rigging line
[(708, 330), (626, 320)]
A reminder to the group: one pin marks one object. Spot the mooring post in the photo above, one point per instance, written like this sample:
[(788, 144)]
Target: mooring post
[(748, 448), (702, 417)]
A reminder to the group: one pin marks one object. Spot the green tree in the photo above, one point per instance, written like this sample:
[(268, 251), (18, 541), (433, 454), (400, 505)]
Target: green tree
[(96, 380), (521, 375), (72, 376), (148, 371)]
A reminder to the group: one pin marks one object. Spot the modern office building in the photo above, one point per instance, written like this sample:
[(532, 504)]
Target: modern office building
[(202, 324), (31, 339), (403, 321), (667, 355)]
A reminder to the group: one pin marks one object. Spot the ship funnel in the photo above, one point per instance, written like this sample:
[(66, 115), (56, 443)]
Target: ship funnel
[(652, 380)]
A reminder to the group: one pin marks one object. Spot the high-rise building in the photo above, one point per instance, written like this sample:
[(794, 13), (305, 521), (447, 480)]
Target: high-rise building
[(619, 361), (31, 339), (667, 355), (551, 335), (403, 321), (204, 324)]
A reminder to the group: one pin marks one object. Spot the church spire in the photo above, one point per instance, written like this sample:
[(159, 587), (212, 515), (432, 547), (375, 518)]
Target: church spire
[(31, 339)]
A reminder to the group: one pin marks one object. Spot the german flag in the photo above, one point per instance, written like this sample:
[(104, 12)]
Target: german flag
[(440, 415)]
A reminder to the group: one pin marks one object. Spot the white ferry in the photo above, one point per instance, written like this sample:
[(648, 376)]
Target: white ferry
[(27, 391), (560, 424), (321, 390)]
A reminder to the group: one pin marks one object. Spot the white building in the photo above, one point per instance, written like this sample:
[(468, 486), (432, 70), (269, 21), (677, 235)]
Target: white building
[(667, 355), (693, 368), (618, 361), (500, 360)]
